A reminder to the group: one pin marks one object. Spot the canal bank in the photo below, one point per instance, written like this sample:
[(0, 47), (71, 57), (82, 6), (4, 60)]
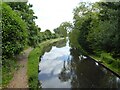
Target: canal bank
[(33, 61), (104, 59), (116, 71)]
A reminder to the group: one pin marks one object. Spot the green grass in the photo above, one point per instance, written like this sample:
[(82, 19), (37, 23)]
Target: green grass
[(8, 70), (107, 60), (33, 61)]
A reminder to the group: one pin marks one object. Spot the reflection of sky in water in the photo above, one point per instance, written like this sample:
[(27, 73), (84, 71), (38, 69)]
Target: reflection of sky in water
[(57, 52), (51, 65)]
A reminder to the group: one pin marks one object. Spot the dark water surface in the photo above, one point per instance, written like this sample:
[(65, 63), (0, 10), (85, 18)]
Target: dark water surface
[(64, 67)]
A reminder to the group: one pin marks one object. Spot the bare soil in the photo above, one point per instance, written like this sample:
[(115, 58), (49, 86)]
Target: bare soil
[(20, 79)]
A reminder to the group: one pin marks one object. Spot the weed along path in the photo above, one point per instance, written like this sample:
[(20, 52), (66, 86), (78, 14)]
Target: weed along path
[(20, 79)]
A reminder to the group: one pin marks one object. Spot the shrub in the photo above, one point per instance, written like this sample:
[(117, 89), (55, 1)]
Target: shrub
[(107, 58), (14, 34)]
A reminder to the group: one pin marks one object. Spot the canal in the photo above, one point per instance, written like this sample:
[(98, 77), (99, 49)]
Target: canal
[(64, 67)]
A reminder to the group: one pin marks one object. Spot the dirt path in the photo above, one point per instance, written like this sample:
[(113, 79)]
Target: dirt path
[(20, 77)]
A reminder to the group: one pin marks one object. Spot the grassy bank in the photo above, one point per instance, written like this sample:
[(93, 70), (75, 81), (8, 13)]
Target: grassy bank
[(33, 61), (9, 67), (107, 60), (8, 71)]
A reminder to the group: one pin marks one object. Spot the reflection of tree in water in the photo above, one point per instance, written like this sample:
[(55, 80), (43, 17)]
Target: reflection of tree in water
[(58, 44), (61, 43), (85, 74), (39, 85), (47, 49), (65, 72)]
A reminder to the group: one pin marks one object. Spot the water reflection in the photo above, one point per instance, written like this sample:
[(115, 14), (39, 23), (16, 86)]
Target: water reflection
[(64, 67), (59, 44), (64, 74)]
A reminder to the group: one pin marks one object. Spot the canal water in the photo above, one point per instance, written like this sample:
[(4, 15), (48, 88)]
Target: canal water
[(64, 67)]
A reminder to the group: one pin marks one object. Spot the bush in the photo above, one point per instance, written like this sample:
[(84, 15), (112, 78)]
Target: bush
[(107, 58), (116, 64), (14, 34)]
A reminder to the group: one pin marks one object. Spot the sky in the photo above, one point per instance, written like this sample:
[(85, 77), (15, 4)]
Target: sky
[(51, 13)]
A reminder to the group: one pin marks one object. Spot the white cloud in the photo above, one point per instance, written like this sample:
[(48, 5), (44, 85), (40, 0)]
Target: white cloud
[(51, 13)]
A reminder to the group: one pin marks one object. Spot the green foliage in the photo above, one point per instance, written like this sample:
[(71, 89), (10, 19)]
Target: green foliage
[(96, 30), (48, 34), (97, 24), (63, 29), (105, 34), (42, 36), (74, 36), (8, 70), (26, 13), (107, 58), (33, 61), (82, 23), (14, 34)]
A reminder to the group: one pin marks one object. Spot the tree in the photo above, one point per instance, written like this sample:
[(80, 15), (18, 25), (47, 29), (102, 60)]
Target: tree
[(63, 29), (27, 14), (82, 23), (98, 28), (48, 34), (105, 34)]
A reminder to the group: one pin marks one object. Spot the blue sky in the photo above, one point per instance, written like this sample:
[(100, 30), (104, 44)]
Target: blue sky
[(51, 13)]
